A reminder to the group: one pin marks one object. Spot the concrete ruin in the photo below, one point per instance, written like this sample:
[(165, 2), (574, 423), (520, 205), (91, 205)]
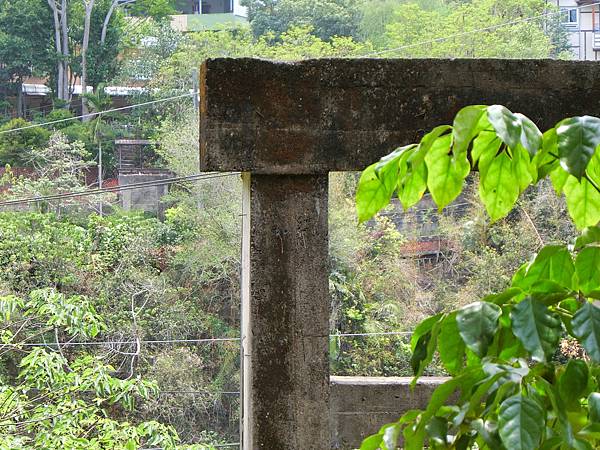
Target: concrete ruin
[(285, 126)]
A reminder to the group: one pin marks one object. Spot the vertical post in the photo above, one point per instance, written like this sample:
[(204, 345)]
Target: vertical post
[(100, 173), (196, 87), (285, 312)]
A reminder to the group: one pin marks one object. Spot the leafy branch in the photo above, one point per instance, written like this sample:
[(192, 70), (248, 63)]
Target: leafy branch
[(506, 390)]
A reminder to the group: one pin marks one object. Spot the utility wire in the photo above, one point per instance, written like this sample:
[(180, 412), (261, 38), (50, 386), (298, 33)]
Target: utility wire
[(183, 341), (98, 113), (98, 191), (479, 30)]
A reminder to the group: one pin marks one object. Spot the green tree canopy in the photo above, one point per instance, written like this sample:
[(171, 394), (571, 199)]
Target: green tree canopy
[(327, 18)]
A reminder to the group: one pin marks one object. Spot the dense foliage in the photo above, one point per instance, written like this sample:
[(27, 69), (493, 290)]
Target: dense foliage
[(512, 392), (141, 279)]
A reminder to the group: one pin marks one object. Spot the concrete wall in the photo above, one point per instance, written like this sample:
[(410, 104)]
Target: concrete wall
[(145, 198), (361, 405)]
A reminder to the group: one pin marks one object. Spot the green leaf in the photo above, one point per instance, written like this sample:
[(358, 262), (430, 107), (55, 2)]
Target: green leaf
[(423, 328), (445, 173), (467, 125), (558, 177), (391, 433), (450, 345), (412, 187), (504, 296), (531, 136), (594, 407), (573, 382), (583, 202), (420, 352), (524, 171), (374, 192), (553, 263), (485, 148), (536, 327), (586, 327), (506, 124), (545, 160), (499, 188), (477, 324), (521, 423), (414, 438), (587, 267), (488, 432), (589, 235), (423, 343), (437, 430), (577, 139), (426, 143), (372, 442)]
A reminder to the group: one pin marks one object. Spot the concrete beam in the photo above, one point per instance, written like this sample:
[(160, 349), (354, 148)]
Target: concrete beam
[(326, 115), (360, 406), (285, 312)]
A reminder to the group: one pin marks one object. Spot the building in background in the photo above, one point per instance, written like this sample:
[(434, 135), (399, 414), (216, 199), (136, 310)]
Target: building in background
[(202, 15), (581, 18)]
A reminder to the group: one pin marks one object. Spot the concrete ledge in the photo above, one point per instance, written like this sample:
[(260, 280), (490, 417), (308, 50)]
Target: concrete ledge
[(361, 405), (317, 116)]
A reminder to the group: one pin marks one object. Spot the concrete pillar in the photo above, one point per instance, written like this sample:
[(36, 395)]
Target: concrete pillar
[(285, 312)]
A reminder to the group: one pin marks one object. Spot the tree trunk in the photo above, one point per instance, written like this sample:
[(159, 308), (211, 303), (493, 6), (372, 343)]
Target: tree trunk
[(65, 50), (109, 14), (20, 98), (89, 5), (60, 75)]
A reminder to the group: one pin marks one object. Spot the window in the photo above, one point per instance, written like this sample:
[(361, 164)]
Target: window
[(216, 6), (569, 17)]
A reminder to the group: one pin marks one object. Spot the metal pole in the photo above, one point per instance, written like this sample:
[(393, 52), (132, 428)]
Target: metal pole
[(100, 172), (196, 87)]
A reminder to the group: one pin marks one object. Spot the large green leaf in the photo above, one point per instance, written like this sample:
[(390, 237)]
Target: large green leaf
[(531, 136), (486, 142), (558, 177), (426, 143), (477, 324), (506, 124), (588, 236), (414, 437), (499, 188), (572, 383), (583, 202), (587, 266), (521, 423), (424, 327), (552, 263), (577, 139), (537, 328), (378, 182), (445, 172), (586, 328), (450, 345), (594, 407), (412, 186), (467, 124), (524, 171)]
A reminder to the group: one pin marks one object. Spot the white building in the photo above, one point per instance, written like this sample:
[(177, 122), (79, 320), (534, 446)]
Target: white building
[(582, 20), (201, 15)]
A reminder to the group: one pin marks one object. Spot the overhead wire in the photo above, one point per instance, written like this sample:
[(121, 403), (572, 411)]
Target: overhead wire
[(183, 341), (98, 113), (99, 191)]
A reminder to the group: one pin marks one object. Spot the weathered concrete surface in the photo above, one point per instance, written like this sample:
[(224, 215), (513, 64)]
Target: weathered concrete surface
[(286, 317), (361, 405), (325, 115)]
